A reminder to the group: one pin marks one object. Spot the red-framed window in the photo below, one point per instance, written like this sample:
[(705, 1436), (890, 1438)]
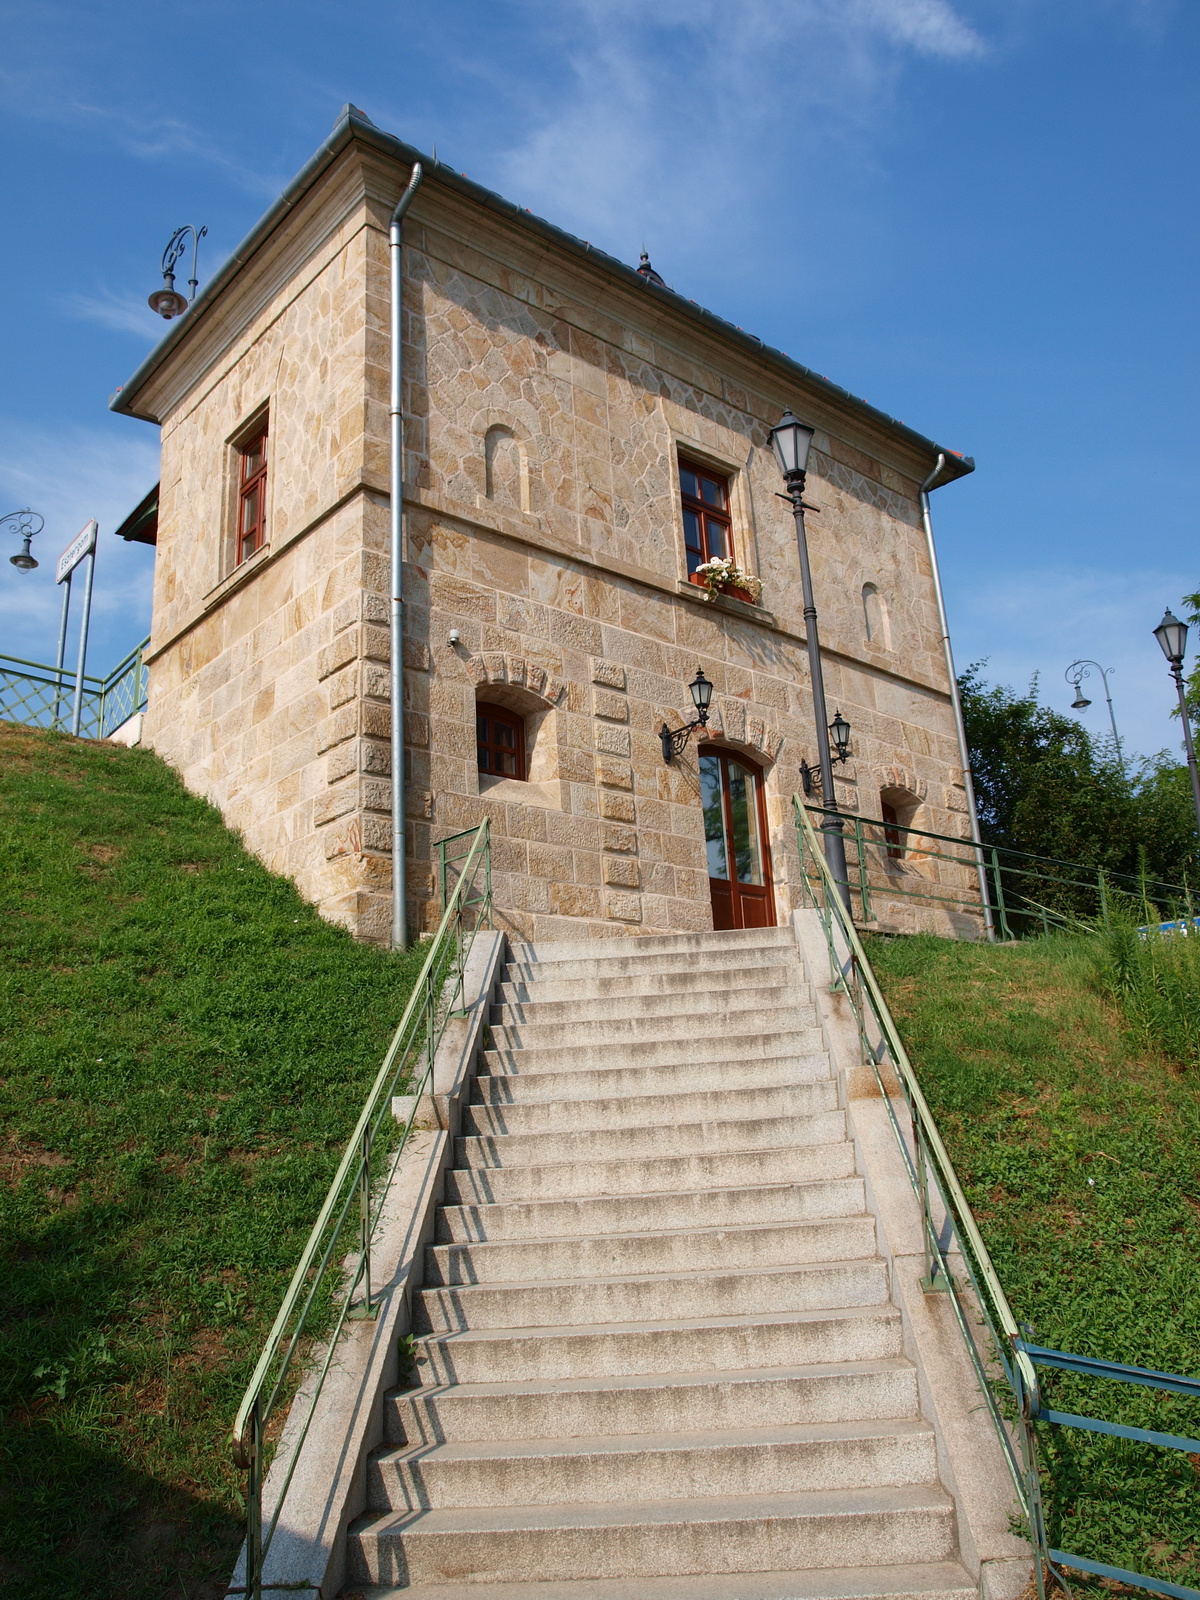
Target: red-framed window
[(707, 528), (500, 741), (252, 493), (892, 836)]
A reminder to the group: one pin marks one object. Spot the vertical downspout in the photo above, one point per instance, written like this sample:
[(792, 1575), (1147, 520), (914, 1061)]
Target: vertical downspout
[(396, 428), (959, 725)]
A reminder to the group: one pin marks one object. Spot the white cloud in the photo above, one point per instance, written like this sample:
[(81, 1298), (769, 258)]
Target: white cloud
[(121, 313), (930, 26)]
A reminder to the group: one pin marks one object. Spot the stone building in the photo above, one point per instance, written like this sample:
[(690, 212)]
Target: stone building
[(578, 436)]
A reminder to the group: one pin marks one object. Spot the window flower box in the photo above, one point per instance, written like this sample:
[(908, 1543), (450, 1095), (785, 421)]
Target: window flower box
[(723, 576)]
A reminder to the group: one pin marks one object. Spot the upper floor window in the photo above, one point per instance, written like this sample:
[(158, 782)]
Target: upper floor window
[(252, 493), (706, 520), (500, 741)]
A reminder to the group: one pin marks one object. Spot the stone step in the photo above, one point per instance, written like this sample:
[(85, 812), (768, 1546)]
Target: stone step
[(753, 1533), (640, 1349), (945, 1580), (744, 1397), (651, 949), (724, 1022), (624, 1144), (637, 1212), (610, 1083), (653, 1466), (798, 1162), (697, 1007), (668, 1251), (652, 1052), (547, 1118), (651, 978), (642, 1296)]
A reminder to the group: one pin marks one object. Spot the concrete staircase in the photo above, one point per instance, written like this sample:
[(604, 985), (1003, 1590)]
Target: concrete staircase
[(658, 1354)]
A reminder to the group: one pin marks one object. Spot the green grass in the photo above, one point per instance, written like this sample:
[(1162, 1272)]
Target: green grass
[(184, 1047), (1078, 1146)]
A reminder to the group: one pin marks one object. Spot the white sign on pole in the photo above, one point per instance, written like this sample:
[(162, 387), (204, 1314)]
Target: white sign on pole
[(76, 550)]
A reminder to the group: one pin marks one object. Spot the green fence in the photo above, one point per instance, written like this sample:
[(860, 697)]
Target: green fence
[(890, 866), (42, 697)]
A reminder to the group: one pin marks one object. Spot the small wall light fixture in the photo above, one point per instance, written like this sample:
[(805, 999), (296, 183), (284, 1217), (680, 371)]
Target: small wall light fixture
[(455, 636), (167, 301), (25, 524), (839, 732), (674, 741)]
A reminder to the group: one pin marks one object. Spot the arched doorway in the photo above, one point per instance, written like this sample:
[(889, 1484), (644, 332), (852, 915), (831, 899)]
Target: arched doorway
[(735, 836)]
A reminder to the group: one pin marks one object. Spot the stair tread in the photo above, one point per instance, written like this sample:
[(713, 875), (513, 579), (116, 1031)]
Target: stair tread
[(748, 1319), (494, 1210), (687, 1274), (945, 1580), (660, 1441), (660, 1380), (840, 1503)]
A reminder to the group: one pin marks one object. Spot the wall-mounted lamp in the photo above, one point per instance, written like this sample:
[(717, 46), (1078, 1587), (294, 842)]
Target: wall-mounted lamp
[(839, 732), (455, 636), (673, 742), (25, 524), (167, 301)]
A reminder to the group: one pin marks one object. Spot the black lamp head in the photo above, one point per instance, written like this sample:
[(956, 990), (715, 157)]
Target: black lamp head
[(1172, 636), (790, 440), (167, 301), (840, 729), (701, 694)]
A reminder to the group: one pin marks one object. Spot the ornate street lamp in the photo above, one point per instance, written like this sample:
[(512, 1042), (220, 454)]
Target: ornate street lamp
[(1172, 637), (167, 301), (790, 440), (674, 741), (26, 525), (1075, 674)]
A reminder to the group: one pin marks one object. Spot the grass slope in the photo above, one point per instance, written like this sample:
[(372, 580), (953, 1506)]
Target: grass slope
[(184, 1046), (1079, 1151)]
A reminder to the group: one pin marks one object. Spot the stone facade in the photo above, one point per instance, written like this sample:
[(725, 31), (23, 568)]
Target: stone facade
[(549, 394)]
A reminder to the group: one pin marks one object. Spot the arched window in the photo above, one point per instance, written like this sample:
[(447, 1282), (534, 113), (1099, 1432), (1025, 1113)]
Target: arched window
[(876, 627), (499, 741)]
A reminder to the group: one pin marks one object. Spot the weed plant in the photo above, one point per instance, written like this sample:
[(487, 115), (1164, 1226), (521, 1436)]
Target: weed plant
[(1155, 979), (1078, 1146), (185, 1047)]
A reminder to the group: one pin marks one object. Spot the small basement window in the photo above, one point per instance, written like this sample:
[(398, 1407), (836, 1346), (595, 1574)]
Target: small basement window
[(500, 741), (707, 526), (252, 493)]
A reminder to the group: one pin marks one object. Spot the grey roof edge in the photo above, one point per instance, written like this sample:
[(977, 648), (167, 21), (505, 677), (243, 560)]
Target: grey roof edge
[(353, 123)]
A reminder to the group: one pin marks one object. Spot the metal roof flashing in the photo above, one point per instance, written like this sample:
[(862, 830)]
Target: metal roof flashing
[(353, 123)]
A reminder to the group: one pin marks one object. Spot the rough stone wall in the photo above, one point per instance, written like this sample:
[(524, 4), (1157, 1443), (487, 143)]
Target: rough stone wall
[(543, 432)]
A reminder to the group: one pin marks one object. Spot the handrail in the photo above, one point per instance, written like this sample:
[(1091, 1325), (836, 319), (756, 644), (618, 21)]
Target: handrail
[(1002, 865), (322, 1274), (37, 695), (855, 978), (1018, 1358)]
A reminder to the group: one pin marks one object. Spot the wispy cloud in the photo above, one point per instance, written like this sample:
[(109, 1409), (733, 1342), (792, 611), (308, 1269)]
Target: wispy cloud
[(122, 313)]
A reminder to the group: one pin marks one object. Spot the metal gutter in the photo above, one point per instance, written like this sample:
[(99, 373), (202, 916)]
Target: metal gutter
[(960, 727), (353, 123)]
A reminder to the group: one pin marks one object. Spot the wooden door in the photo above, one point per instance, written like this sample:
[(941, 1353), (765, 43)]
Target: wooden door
[(735, 835)]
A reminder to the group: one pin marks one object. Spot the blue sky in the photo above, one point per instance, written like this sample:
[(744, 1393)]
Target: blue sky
[(981, 215)]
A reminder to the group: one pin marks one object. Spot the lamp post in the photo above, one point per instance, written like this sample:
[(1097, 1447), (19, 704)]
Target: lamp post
[(167, 301), (1075, 673), (26, 525), (790, 440), (1172, 637), (673, 741)]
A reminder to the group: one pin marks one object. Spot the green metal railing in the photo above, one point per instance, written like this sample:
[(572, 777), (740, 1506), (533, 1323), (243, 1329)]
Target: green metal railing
[(332, 1281), (1027, 893), (1005, 1364), (42, 697)]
